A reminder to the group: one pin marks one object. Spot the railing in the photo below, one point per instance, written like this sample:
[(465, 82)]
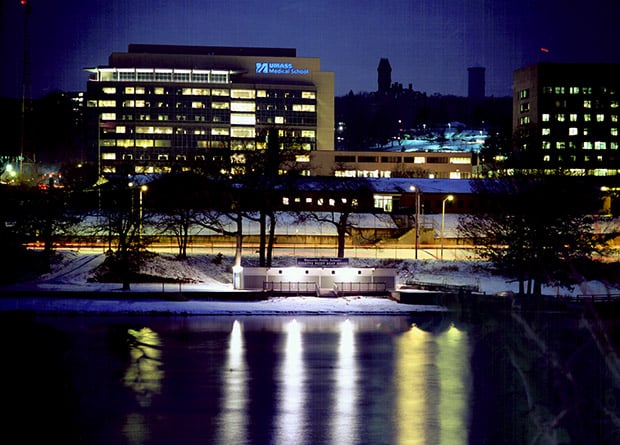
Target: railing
[(290, 287), (359, 287)]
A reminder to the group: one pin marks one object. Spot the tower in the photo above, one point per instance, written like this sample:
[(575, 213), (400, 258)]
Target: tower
[(475, 88), (384, 76)]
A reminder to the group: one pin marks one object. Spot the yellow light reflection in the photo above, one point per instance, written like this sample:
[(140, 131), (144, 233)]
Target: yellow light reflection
[(453, 366), (413, 370), (291, 395), (144, 374), (344, 425), (232, 425)]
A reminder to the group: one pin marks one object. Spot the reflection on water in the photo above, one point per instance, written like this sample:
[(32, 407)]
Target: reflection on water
[(344, 416), (423, 379), (232, 426), (143, 376), (292, 391)]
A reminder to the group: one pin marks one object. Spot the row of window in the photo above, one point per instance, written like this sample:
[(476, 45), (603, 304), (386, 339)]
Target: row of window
[(406, 160), (215, 131), (585, 145), (571, 90), (161, 75), (234, 93), (574, 131)]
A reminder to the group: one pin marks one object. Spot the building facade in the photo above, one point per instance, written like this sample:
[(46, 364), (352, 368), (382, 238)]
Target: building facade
[(161, 108), (566, 117)]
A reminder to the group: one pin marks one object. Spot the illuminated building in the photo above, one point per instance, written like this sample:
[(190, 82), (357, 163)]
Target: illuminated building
[(566, 117), (161, 108)]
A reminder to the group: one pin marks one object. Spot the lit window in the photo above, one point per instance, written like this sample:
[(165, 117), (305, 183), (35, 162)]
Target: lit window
[(587, 145), (560, 117), (587, 104), (120, 129), (249, 107), (109, 90), (198, 105), (220, 131), (285, 201), (524, 107), (108, 156), (573, 131), (107, 103), (242, 132), (613, 131), (302, 158), (546, 158), (242, 119), (261, 93), (108, 116), (308, 95), (524, 94), (587, 117), (158, 90), (546, 145), (560, 145), (279, 119), (546, 131), (304, 107), (220, 105), (573, 90), (130, 90), (600, 145), (310, 134), (546, 117), (242, 94), (220, 92), (559, 90), (600, 118)]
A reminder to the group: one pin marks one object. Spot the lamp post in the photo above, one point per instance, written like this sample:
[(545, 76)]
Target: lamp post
[(443, 218), (415, 189), (143, 189)]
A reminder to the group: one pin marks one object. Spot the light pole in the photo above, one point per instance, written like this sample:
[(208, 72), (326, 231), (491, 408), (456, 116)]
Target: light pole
[(415, 189), (443, 218), (143, 189)]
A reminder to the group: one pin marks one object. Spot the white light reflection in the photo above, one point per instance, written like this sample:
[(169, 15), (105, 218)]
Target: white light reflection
[(232, 427), (344, 426), (413, 365), (453, 366), (291, 397)]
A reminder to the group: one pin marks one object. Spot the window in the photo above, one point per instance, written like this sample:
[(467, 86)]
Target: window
[(560, 117), (242, 94), (242, 132), (242, 119), (573, 131), (524, 107), (109, 90), (344, 158), (587, 104), (600, 118), (308, 95), (524, 94), (573, 117), (573, 90), (600, 145), (248, 107), (546, 117), (546, 131), (587, 145), (220, 105)]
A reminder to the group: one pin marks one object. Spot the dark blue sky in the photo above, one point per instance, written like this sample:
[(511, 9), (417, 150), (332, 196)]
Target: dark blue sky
[(430, 43)]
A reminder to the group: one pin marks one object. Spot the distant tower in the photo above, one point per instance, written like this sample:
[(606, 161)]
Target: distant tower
[(475, 89), (384, 77)]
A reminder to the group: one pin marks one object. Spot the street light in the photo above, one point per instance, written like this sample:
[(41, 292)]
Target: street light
[(443, 218), (143, 189), (417, 191)]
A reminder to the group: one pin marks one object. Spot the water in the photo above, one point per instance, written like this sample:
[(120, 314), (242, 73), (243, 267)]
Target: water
[(428, 379)]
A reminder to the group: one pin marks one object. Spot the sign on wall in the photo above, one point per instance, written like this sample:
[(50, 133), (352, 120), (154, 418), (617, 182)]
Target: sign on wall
[(279, 68), (322, 262)]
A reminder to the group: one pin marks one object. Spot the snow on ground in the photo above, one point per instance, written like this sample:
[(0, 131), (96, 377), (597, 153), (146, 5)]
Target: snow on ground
[(73, 271)]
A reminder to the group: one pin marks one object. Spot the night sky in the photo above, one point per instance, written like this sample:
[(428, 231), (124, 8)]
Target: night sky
[(430, 43)]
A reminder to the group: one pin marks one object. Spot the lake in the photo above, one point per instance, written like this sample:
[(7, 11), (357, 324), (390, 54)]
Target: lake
[(423, 379)]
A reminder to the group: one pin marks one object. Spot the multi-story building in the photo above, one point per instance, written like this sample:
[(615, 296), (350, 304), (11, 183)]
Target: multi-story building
[(160, 108), (566, 117)]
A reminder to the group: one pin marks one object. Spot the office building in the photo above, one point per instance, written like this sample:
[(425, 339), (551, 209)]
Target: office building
[(162, 108), (566, 117)]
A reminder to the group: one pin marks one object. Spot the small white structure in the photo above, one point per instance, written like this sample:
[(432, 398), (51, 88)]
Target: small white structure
[(319, 276)]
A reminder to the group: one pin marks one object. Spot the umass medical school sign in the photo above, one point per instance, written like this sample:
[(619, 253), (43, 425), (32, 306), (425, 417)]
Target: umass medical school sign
[(279, 68)]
